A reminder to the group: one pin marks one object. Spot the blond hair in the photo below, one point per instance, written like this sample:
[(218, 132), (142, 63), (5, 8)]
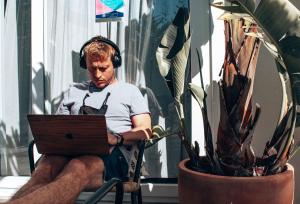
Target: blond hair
[(101, 49)]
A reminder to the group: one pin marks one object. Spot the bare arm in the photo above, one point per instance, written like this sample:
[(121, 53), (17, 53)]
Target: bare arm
[(141, 130)]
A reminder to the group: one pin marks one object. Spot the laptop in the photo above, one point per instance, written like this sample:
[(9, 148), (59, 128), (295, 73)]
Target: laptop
[(70, 135)]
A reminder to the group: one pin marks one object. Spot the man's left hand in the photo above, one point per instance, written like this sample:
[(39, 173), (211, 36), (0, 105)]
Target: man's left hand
[(112, 139)]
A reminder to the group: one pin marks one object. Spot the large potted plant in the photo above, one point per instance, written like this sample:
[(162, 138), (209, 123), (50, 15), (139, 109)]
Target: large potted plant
[(231, 172)]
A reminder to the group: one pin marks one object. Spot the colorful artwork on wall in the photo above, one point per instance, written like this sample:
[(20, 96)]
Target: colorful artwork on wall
[(109, 10)]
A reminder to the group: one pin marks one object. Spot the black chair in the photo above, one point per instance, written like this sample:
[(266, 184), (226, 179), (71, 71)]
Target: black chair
[(132, 185)]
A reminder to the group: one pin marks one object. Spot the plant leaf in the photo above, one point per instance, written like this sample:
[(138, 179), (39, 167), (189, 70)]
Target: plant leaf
[(162, 52), (290, 45), (179, 66), (251, 5), (172, 55), (198, 93), (158, 133), (234, 8), (269, 11)]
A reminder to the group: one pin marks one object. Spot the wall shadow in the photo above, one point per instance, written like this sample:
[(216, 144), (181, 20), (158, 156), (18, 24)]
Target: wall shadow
[(150, 29), (79, 74)]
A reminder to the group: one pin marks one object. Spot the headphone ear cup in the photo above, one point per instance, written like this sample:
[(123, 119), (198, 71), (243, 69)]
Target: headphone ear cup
[(82, 62), (117, 61)]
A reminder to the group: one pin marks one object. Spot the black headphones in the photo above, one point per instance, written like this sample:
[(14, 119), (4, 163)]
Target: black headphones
[(116, 58)]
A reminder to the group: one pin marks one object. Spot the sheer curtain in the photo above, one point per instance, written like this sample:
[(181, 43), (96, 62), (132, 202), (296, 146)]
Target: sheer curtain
[(9, 75), (15, 84)]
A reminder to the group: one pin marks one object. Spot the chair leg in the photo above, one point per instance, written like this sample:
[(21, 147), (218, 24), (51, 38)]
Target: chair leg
[(119, 193), (140, 198), (136, 197), (133, 198)]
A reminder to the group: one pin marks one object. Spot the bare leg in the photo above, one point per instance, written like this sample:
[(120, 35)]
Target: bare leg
[(46, 171), (78, 174)]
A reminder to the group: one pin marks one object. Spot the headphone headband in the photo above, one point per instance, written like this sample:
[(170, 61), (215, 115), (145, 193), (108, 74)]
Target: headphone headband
[(116, 58)]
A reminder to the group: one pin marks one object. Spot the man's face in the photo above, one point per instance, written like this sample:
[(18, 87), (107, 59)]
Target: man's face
[(101, 72)]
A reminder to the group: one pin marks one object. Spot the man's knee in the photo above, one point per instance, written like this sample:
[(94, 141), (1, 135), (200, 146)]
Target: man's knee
[(48, 168), (93, 168), (77, 166), (91, 165)]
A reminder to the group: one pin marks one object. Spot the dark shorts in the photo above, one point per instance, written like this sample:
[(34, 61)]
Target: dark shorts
[(115, 165)]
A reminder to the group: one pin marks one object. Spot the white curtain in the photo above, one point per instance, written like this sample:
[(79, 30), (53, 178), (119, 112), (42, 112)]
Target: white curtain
[(15, 76)]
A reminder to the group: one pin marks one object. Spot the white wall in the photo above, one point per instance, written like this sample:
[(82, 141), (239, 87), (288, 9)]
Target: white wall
[(37, 50), (208, 37), (1, 76)]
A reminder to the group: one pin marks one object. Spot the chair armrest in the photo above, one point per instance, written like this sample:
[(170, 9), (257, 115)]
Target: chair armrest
[(31, 156), (104, 189)]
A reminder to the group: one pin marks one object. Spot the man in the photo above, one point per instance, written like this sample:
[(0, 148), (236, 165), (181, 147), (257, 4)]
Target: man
[(59, 179)]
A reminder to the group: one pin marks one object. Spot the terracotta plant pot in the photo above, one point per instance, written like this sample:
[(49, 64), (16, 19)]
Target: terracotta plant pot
[(195, 187)]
